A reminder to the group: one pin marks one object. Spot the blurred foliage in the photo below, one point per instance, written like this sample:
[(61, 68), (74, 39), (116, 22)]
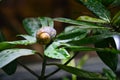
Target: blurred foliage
[(98, 30)]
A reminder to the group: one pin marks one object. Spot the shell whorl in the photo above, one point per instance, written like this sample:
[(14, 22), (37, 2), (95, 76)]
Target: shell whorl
[(45, 34)]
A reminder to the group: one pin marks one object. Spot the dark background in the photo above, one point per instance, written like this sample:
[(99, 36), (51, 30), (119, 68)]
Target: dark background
[(12, 13)]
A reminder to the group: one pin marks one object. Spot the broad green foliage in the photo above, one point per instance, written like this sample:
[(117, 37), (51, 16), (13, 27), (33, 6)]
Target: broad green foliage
[(46, 21), (97, 8), (81, 73), (29, 40), (93, 39), (53, 51), (10, 44), (70, 35), (8, 55), (85, 48), (31, 25), (106, 2), (91, 19), (80, 23), (109, 59), (76, 36), (12, 66)]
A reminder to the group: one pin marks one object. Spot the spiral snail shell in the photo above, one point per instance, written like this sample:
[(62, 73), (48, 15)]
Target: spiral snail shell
[(45, 34)]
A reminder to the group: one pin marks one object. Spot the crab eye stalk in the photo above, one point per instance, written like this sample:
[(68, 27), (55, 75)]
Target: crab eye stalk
[(45, 35)]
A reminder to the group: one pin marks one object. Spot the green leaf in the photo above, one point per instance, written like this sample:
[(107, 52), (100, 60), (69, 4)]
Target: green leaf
[(91, 19), (29, 40), (94, 38), (46, 21), (81, 73), (85, 48), (53, 51), (8, 55), (31, 25), (106, 2), (10, 44), (10, 68), (116, 19), (77, 22), (97, 8), (116, 3), (110, 74), (111, 60), (71, 34)]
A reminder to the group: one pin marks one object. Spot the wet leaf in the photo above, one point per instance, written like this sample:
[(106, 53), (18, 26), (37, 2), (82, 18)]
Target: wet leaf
[(106, 2), (53, 51), (81, 73), (31, 25), (91, 19), (9, 55), (46, 21), (97, 8), (12, 66), (70, 34), (111, 60), (80, 23), (10, 44), (94, 38)]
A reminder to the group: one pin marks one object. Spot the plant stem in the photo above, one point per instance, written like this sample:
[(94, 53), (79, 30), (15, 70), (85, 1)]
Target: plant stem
[(52, 73), (42, 77), (28, 69)]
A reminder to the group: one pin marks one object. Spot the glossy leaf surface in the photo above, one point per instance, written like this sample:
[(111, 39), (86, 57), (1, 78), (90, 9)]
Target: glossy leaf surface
[(31, 25), (46, 21), (71, 34), (94, 39), (53, 51), (111, 60), (85, 48), (91, 19), (8, 55), (9, 44), (97, 8), (81, 73), (11, 67), (77, 22), (106, 2), (29, 40)]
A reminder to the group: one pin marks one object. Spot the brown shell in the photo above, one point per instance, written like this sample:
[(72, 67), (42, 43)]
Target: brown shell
[(45, 34)]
